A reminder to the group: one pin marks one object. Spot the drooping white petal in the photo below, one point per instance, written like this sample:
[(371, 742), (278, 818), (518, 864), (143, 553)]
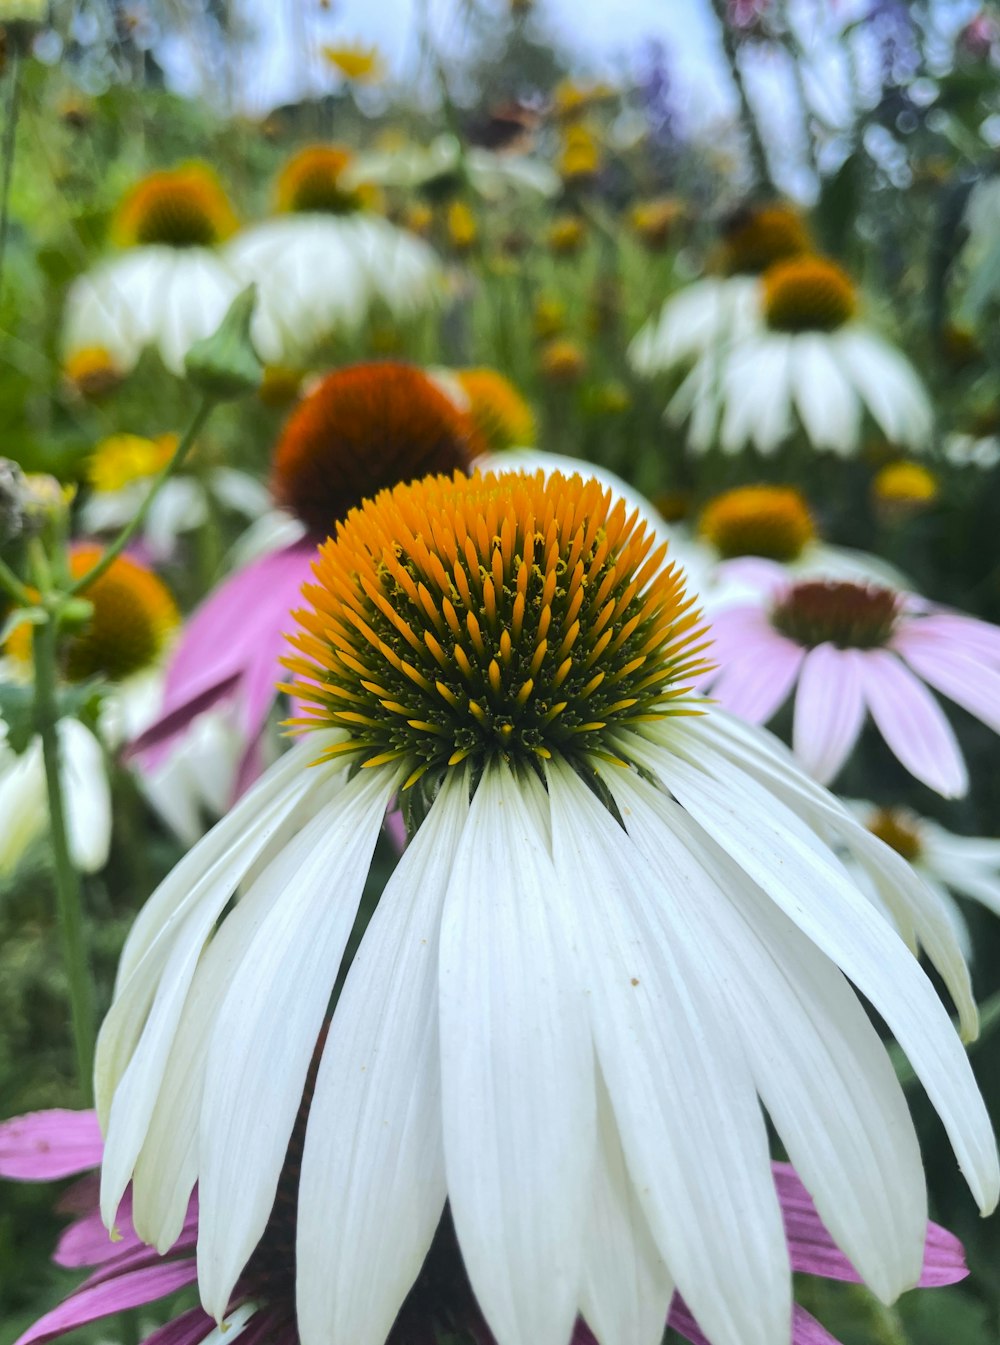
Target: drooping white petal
[(824, 397), (626, 1287), (87, 795), (23, 801), (516, 1070), (267, 1026), (807, 882), (818, 1063), (888, 385), (137, 1033), (678, 1079), (373, 1183)]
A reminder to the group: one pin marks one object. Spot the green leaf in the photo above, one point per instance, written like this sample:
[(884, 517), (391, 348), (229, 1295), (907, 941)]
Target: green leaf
[(17, 710), (21, 616)]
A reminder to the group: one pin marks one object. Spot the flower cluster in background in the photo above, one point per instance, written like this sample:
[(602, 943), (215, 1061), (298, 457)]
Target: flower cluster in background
[(500, 481)]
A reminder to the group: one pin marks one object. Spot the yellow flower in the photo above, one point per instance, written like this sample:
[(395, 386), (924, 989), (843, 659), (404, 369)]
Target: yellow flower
[(580, 155), (562, 361), (418, 218), (360, 65), (758, 236), (92, 372), (180, 207), (124, 458), (771, 521), (312, 181), (549, 317), (461, 225), (567, 234), (904, 487), (653, 222), (806, 294), (499, 412), (571, 100)]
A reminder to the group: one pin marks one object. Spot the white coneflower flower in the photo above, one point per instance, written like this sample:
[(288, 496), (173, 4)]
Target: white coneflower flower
[(121, 470), (445, 164), (968, 865), (125, 639), (717, 310), (170, 287), (812, 362), (323, 264), (616, 928)]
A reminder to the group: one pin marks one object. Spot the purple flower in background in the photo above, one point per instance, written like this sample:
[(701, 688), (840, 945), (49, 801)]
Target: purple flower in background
[(656, 92), (126, 1274)]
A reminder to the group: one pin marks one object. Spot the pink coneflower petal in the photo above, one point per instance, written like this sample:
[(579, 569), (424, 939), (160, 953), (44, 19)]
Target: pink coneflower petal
[(829, 710), (754, 685), (965, 633), (957, 675), (237, 633), (766, 576), (132, 1290), (189, 1328), (805, 1328), (813, 1251), (45, 1145), (913, 724)]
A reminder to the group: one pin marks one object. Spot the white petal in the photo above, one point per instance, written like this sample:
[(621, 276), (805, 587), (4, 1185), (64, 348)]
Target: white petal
[(626, 1288), (23, 802), (87, 795), (373, 1183), (888, 385), (680, 1087), (516, 1070), (267, 1027), (818, 1063), (806, 881), (825, 399)]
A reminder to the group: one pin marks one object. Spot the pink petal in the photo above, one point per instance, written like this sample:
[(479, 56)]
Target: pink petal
[(813, 1252), (115, 1295), (957, 674), (757, 683), (978, 638), (805, 1329), (829, 710), (234, 639), (45, 1145), (767, 576), (912, 723), (88, 1243), (187, 1329)]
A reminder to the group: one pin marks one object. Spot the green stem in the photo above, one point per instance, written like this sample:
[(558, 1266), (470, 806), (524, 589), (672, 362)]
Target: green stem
[(127, 533), (9, 581), (69, 896), (758, 154), (9, 146)]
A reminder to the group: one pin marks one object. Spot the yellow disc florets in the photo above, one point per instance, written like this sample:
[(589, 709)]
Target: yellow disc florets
[(93, 372), (181, 207), (133, 619), (466, 617), (312, 182), (905, 485), (898, 829), (498, 411), (808, 294), (124, 458), (758, 236), (771, 521)]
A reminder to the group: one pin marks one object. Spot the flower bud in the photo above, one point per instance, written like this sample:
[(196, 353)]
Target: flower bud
[(225, 365)]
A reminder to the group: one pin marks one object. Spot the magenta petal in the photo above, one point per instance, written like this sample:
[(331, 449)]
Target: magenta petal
[(132, 1290), (829, 710), (156, 742), (235, 638), (980, 639), (957, 674), (805, 1329), (944, 1259), (912, 723), (45, 1145), (756, 683), (187, 1329)]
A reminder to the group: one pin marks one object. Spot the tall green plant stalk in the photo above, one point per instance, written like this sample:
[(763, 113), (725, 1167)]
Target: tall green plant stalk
[(69, 895)]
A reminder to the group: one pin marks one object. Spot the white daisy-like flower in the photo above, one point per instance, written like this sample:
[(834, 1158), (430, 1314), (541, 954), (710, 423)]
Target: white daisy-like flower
[(123, 644), (446, 161), (120, 472), (321, 275), (812, 364), (170, 287), (968, 865), (618, 927), (719, 310)]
